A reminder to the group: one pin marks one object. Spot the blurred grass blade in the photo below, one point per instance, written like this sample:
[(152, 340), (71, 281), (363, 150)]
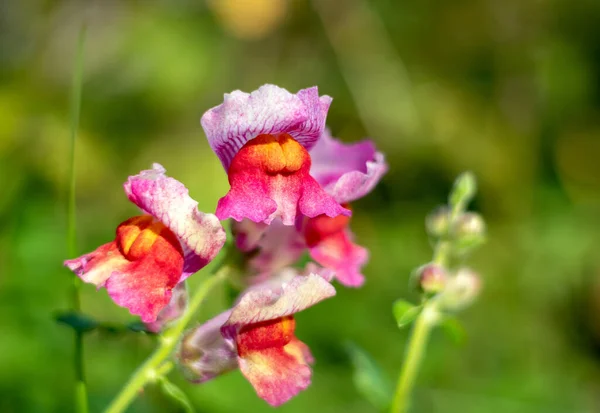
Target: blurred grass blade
[(368, 377), (80, 386)]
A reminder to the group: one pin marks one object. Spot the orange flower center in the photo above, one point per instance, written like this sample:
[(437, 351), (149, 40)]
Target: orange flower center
[(274, 154), (266, 334), (137, 236)]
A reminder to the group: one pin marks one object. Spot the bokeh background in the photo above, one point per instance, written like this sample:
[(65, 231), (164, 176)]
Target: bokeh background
[(507, 89)]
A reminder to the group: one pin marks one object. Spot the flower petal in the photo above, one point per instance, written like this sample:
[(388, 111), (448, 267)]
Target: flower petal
[(271, 302), (268, 110), (201, 235), (277, 373), (97, 266), (346, 171), (144, 286), (280, 246), (204, 353), (339, 253), (172, 311)]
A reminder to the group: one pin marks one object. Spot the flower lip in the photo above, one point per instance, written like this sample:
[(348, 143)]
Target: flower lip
[(269, 110), (260, 304)]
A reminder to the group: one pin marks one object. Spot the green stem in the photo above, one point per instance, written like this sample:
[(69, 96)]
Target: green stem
[(81, 398), (425, 322), (414, 354), (155, 365)]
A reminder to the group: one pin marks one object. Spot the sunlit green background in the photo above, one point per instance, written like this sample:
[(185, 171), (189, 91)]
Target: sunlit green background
[(507, 89)]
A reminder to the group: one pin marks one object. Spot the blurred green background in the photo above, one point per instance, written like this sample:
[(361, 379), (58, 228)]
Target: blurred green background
[(507, 89)]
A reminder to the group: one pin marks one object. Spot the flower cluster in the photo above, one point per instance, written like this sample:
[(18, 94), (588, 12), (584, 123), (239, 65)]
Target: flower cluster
[(291, 185)]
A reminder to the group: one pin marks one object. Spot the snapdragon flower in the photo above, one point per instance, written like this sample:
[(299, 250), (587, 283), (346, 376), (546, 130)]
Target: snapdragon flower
[(154, 252), (262, 140), (257, 336)]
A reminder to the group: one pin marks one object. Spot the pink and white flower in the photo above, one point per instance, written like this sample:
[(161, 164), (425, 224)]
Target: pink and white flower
[(154, 252)]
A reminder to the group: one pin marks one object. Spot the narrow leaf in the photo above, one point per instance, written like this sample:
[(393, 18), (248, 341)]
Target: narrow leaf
[(454, 329), (77, 321), (368, 377), (175, 393), (405, 312)]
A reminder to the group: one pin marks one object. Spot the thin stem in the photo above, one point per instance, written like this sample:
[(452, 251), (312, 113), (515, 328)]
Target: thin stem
[(81, 398), (414, 354), (154, 366), (426, 320)]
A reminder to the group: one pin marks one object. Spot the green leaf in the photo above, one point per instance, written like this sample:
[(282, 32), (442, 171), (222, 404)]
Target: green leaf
[(79, 322), (405, 312), (369, 378), (175, 393), (454, 329)]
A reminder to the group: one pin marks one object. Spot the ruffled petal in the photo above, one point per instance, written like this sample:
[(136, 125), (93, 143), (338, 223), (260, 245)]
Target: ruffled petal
[(172, 311), (278, 373), (201, 235), (339, 253), (268, 110), (263, 303), (97, 266), (346, 171), (204, 353)]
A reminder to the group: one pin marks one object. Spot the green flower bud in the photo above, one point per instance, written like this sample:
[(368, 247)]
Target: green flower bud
[(465, 187), (462, 289), (468, 232), (438, 221), (431, 278)]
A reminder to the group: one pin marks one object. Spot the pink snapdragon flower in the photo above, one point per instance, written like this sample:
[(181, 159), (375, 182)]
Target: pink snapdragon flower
[(347, 172), (154, 252), (262, 140), (257, 336)]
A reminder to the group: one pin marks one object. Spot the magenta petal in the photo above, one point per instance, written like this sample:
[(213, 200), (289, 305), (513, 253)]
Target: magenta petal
[(268, 110), (340, 254), (201, 235), (280, 246), (172, 311), (132, 291), (272, 302), (346, 171)]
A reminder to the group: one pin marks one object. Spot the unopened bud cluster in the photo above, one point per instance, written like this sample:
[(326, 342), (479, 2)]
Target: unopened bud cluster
[(454, 232)]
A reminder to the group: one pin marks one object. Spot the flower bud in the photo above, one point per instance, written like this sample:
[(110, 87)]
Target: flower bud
[(465, 187), (468, 231), (203, 352), (461, 291), (438, 222), (431, 278)]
